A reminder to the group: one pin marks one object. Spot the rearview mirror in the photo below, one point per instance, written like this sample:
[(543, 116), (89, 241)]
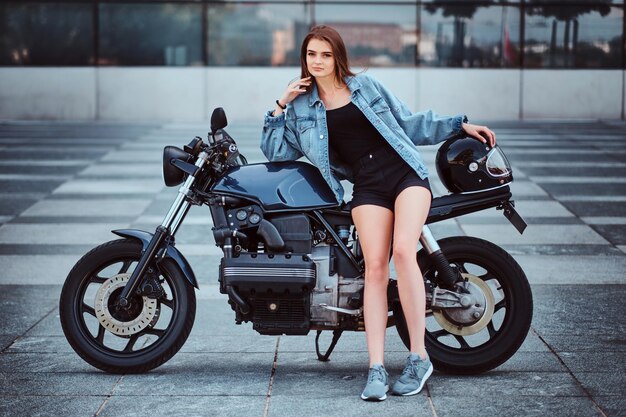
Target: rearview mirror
[(218, 120)]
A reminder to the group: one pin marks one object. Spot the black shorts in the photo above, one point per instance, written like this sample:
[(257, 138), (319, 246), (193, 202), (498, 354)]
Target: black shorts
[(380, 176)]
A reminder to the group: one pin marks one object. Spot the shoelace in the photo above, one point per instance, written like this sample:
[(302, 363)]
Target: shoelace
[(376, 374), (413, 368)]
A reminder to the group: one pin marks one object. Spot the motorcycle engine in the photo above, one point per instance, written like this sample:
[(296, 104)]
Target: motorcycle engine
[(292, 292)]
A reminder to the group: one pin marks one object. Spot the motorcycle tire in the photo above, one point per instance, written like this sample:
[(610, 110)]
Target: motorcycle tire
[(110, 351), (449, 347)]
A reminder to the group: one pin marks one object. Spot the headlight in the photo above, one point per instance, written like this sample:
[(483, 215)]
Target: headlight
[(172, 175)]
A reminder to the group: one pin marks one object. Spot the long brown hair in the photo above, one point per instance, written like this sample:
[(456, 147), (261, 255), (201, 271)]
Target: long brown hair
[(330, 35)]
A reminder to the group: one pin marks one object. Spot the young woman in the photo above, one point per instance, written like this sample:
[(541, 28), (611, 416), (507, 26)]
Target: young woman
[(351, 127)]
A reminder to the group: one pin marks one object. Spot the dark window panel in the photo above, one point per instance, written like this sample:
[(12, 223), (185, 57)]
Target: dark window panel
[(469, 36), (46, 34), (589, 36), (256, 34), (375, 35), (150, 34)]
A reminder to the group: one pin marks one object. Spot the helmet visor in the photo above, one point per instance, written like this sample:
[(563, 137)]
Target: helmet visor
[(497, 164)]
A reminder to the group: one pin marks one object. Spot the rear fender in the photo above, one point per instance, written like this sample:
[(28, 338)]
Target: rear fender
[(171, 252)]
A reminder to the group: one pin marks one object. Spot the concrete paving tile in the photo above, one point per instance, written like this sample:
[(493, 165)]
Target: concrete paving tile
[(567, 269), (513, 405), (526, 188), (533, 343), (42, 345), (6, 340), (532, 362), (504, 384), (91, 187), (574, 171), (22, 307), (593, 208), (123, 170), (196, 405), (605, 361), (36, 269), (344, 375), (41, 170), (558, 189), (68, 363), (15, 205), (527, 209), (610, 405), (537, 234), (128, 155), (604, 220), (340, 404), (42, 406), (204, 374), (240, 343), (612, 342), (597, 251), (349, 342), (59, 233), (616, 234), (32, 186), (31, 383), (91, 207), (603, 383)]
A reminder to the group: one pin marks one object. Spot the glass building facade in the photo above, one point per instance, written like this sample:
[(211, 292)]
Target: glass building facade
[(567, 34)]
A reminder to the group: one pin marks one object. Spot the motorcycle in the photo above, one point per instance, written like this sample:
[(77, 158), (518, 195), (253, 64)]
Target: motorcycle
[(292, 264)]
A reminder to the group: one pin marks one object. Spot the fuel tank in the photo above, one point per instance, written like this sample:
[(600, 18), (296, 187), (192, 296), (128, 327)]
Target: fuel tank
[(278, 186)]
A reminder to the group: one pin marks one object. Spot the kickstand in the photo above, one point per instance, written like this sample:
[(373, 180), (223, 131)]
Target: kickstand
[(325, 356)]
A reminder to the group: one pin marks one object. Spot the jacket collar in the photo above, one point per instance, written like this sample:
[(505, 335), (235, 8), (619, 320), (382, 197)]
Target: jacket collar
[(351, 81)]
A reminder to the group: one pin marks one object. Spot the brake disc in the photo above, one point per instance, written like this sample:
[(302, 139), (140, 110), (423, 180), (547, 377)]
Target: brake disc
[(143, 312), (471, 320)]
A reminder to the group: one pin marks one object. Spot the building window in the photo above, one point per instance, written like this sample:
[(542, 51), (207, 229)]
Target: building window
[(375, 35), (256, 34), (573, 36), (452, 35), (46, 34), (150, 34)]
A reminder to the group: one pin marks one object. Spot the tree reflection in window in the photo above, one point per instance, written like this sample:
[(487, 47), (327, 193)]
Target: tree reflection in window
[(580, 36), (474, 35)]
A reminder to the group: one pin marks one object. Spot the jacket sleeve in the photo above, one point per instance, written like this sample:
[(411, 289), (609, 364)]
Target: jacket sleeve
[(423, 128), (278, 140)]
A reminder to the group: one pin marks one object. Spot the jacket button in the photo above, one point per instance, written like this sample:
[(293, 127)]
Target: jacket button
[(321, 136)]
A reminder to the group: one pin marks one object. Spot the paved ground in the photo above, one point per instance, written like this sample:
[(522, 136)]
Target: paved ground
[(64, 186)]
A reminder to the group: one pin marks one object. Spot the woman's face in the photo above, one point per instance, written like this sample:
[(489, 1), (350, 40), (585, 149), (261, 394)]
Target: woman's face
[(319, 59)]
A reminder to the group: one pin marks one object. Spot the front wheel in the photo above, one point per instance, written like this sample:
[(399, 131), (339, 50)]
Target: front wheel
[(133, 340), (462, 344)]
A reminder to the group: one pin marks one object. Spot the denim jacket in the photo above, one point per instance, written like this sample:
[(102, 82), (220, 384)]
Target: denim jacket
[(302, 129)]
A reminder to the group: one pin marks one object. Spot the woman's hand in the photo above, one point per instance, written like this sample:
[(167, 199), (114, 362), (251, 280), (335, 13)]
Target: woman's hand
[(482, 133), (294, 90)]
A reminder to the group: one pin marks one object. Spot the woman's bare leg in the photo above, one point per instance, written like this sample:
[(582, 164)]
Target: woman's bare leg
[(411, 210), (374, 225)]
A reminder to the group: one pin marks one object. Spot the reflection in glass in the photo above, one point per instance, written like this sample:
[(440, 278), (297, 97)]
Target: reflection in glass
[(469, 36), (53, 34), (587, 36), (150, 34), (259, 35), (375, 35)]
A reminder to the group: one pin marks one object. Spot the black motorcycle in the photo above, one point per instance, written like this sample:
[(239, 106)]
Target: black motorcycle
[(292, 263)]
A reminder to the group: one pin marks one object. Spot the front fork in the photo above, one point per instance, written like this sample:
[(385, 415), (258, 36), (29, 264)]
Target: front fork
[(447, 276), (165, 230)]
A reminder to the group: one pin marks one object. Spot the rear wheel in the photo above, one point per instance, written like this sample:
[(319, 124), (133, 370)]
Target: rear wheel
[(466, 344), (133, 340)]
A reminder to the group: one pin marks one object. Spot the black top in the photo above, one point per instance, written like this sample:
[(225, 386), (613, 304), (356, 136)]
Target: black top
[(350, 134)]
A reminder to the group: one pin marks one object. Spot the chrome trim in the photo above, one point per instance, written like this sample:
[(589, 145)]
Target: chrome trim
[(252, 271), (428, 241)]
